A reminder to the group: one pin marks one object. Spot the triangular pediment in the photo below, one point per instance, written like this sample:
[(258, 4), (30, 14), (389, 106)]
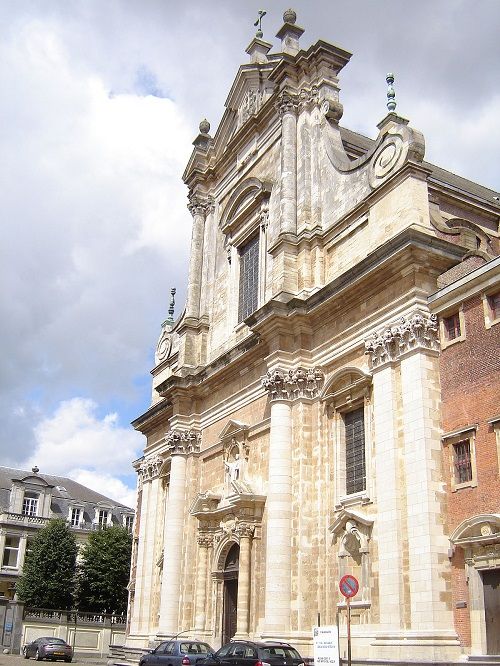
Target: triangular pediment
[(232, 428)]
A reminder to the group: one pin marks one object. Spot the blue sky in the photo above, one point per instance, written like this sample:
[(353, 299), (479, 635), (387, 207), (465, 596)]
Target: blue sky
[(100, 105)]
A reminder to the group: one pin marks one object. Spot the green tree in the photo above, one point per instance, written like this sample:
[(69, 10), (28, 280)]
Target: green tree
[(48, 578), (104, 570)]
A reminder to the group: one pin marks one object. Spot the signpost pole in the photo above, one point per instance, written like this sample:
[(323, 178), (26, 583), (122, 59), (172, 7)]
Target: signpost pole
[(348, 601)]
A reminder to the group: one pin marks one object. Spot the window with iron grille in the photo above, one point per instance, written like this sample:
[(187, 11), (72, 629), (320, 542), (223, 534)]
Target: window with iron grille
[(30, 504), (249, 278), (354, 424), (462, 461), (452, 326)]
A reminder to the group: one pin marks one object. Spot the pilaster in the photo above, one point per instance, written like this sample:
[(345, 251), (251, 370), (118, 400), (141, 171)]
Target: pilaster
[(204, 544), (245, 533)]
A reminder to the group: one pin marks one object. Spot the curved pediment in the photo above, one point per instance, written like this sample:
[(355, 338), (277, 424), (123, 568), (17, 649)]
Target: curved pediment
[(477, 529), (243, 202)]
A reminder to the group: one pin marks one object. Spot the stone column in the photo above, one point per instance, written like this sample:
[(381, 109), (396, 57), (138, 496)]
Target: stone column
[(414, 344), (243, 605), (287, 107), (148, 472), (204, 543), (180, 444), (283, 386), (198, 210)]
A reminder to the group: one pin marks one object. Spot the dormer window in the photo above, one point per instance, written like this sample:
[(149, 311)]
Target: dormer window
[(128, 522), (30, 504), (76, 517), (103, 518)]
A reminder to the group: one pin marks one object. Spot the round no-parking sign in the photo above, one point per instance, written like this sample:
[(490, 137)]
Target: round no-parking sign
[(348, 586)]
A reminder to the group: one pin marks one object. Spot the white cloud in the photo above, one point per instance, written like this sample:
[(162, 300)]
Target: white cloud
[(75, 442)]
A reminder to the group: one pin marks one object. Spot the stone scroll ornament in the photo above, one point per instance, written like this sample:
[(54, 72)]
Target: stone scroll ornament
[(291, 384), (183, 441), (416, 331)]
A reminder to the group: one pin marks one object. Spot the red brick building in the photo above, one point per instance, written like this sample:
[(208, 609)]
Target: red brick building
[(468, 307)]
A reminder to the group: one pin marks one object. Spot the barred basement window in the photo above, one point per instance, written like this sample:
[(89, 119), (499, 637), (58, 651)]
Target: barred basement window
[(462, 461), (249, 278), (354, 423)]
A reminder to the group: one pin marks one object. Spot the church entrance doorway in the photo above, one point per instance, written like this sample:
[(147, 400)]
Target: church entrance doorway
[(491, 587), (230, 598)]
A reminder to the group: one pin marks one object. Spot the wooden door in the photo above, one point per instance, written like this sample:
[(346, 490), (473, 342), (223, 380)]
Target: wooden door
[(230, 608), (491, 586)]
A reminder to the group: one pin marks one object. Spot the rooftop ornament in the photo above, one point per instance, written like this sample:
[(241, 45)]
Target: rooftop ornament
[(391, 93), (171, 308), (258, 24)]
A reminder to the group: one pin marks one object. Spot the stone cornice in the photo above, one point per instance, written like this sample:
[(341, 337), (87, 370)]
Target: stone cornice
[(417, 331), (183, 442), (293, 384)]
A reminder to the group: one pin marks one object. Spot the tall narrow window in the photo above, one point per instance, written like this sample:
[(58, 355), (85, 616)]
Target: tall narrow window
[(129, 522), (30, 504), (462, 461), (452, 326), (354, 424), (103, 518), (76, 515), (249, 278)]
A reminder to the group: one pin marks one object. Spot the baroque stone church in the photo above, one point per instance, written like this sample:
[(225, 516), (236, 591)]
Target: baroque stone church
[(295, 427)]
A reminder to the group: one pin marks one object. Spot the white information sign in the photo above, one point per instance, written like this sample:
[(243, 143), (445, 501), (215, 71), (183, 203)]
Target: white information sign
[(326, 646)]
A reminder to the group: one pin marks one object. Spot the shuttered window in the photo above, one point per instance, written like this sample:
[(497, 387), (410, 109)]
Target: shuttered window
[(249, 278), (354, 423)]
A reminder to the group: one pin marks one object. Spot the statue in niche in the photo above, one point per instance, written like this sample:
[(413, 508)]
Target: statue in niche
[(233, 468)]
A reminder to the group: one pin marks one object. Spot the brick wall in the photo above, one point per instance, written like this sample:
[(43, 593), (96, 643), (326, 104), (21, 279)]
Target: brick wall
[(470, 374)]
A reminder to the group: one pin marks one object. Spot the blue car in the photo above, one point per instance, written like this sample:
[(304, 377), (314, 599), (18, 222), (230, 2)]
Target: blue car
[(177, 652)]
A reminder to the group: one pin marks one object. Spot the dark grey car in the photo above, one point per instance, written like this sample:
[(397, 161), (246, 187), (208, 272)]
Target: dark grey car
[(177, 653), (48, 648), (255, 653)]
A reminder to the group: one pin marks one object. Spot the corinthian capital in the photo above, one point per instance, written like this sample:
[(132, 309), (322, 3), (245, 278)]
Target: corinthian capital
[(413, 332), (205, 540), (149, 468), (200, 206), (183, 442), (287, 103), (293, 384)]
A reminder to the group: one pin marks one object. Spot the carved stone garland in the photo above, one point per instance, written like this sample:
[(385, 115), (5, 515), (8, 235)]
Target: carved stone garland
[(292, 384), (418, 330)]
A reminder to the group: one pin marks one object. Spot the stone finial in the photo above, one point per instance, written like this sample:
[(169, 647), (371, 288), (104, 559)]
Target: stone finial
[(204, 126), (391, 93), (290, 33), (35, 469), (258, 24), (171, 307)]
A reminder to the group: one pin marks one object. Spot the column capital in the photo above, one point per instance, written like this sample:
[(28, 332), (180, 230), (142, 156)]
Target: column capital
[(200, 205), (245, 530), (287, 102), (308, 97), (293, 384), (205, 540), (183, 442), (417, 331), (149, 468)]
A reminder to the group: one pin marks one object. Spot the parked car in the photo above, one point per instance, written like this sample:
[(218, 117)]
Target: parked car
[(48, 648), (177, 652), (255, 653)]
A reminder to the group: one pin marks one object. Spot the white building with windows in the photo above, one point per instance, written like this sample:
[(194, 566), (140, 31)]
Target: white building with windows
[(295, 428), (28, 500)]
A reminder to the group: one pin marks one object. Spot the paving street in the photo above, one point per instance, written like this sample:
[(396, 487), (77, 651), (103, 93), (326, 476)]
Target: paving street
[(18, 660)]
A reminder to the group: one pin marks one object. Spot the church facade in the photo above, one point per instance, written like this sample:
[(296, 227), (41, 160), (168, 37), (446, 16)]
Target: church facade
[(295, 430)]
